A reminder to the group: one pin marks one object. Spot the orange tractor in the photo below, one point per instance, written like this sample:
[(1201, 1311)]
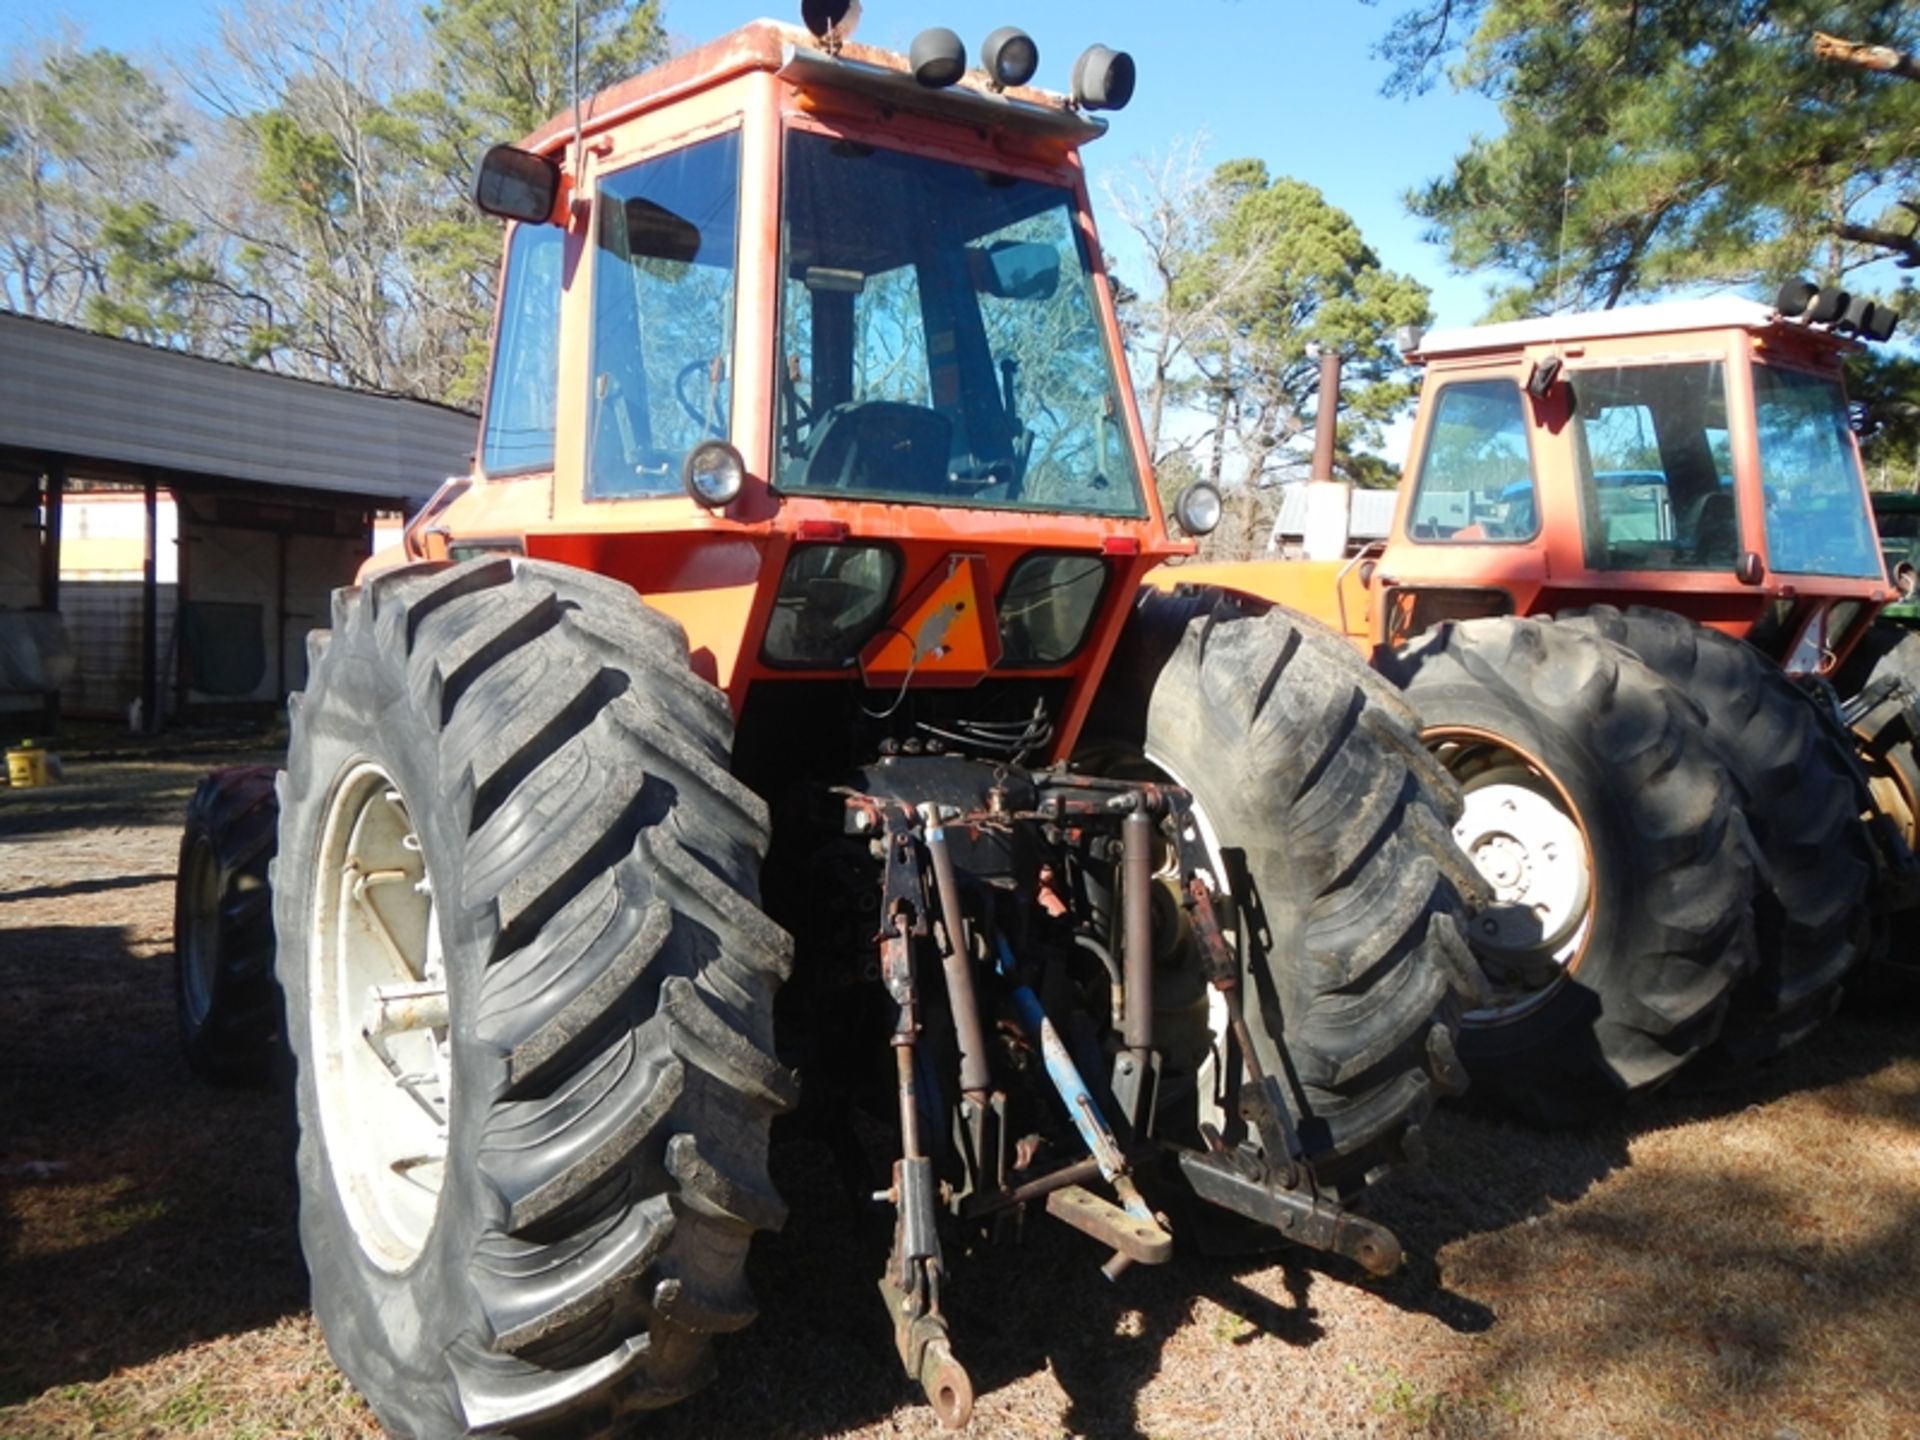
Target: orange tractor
[(1667, 798), (776, 720)]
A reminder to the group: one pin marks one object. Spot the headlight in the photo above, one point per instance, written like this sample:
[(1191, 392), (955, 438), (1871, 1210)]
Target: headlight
[(713, 474)]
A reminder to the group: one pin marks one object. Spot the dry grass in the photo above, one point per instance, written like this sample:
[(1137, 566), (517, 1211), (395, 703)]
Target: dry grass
[(1735, 1264)]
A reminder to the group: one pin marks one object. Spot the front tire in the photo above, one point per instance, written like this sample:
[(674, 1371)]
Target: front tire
[(1304, 762), (529, 995), (224, 992), (1611, 833)]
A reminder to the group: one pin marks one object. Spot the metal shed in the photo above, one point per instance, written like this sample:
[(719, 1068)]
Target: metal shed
[(276, 482)]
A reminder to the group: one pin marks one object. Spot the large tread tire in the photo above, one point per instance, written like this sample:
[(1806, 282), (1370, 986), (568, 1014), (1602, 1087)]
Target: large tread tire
[(1888, 743), (1670, 929), (1889, 652), (610, 977), (1302, 760), (225, 995), (1803, 804)]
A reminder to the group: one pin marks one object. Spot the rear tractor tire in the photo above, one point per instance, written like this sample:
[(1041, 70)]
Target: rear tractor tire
[(1304, 765), (224, 991), (1611, 835), (1889, 652), (529, 995), (1803, 805)]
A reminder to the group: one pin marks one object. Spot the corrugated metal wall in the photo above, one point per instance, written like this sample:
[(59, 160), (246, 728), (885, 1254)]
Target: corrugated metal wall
[(71, 393)]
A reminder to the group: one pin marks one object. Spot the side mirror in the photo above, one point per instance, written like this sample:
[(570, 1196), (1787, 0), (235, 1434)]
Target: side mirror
[(1198, 509), (1016, 270), (1540, 379), (516, 184), (1750, 570)]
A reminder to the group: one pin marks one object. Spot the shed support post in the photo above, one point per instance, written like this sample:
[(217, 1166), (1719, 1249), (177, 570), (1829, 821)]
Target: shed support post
[(150, 613), (53, 505), (53, 513)]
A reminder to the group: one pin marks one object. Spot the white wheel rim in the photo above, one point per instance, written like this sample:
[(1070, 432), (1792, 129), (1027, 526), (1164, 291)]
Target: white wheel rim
[(377, 1011), (1528, 850), (1523, 836)]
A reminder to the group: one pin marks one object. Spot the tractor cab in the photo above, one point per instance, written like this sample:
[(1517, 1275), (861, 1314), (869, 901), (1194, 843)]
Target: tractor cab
[(816, 350), (1696, 455)]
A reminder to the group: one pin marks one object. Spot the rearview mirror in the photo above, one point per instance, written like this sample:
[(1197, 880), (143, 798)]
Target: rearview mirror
[(1016, 270), (516, 184)]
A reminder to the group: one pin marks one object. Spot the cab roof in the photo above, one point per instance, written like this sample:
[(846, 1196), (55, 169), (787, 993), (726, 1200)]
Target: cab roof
[(793, 53), (1720, 313)]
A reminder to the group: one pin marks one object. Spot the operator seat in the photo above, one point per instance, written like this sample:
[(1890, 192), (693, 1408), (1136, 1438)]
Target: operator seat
[(880, 447), (1713, 534)]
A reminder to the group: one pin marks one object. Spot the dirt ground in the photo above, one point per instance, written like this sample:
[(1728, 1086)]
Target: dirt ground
[(1734, 1263)]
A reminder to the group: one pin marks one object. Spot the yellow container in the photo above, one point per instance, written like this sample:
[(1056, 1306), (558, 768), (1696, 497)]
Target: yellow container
[(26, 767)]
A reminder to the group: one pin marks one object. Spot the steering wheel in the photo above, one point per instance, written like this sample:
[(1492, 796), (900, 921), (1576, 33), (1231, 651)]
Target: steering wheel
[(713, 422)]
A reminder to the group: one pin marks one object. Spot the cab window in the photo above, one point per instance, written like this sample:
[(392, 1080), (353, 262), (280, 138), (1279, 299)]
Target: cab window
[(665, 242), (1476, 478), (526, 366), (1818, 521), (1656, 467)]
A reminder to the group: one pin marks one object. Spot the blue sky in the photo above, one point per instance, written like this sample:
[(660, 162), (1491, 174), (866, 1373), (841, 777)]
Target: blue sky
[(1293, 84)]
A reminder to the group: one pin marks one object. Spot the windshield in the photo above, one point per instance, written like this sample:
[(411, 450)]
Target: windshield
[(1817, 517), (939, 339)]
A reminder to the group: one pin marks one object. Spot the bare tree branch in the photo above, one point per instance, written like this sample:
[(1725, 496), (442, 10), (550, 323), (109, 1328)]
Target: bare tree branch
[(1883, 58), (1905, 249)]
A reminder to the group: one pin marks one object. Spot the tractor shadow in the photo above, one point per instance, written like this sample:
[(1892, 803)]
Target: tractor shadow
[(140, 1210), (820, 1359)]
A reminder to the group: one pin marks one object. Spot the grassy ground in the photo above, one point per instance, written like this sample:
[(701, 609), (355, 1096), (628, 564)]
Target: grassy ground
[(1741, 1263)]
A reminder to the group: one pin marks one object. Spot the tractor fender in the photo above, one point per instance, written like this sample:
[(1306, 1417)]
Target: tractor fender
[(1330, 591)]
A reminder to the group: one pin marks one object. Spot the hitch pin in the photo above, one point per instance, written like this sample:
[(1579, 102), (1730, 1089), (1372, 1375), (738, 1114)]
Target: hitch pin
[(1073, 1090)]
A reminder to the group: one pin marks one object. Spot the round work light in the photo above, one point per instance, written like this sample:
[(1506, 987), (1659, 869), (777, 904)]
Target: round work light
[(1009, 57), (938, 58), (1199, 508), (713, 474), (1828, 305), (1103, 79), (1794, 297)]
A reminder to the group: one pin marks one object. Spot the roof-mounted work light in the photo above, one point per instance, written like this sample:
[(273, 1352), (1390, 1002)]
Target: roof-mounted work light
[(1794, 297), (1009, 57), (1829, 304), (1103, 79), (938, 58), (831, 22)]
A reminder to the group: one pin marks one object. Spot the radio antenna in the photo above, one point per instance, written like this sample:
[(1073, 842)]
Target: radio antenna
[(577, 152), (1560, 263)]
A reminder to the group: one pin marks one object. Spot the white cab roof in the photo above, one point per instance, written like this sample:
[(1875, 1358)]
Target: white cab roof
[(1721, 313)]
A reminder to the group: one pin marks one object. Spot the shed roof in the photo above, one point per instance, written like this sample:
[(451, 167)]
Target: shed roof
[(1369, 512), (94, 397)]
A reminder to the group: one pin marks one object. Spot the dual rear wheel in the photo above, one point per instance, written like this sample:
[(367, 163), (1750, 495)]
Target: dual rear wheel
[(1672, 833)]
